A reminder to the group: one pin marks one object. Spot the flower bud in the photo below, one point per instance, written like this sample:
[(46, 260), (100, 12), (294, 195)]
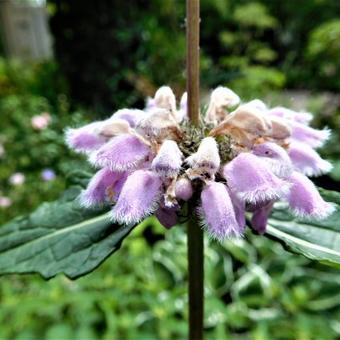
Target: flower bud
[(260, 217), (165, 99), (183, 189), (168, 161), (220, 98), (206, 160), (167, 216)]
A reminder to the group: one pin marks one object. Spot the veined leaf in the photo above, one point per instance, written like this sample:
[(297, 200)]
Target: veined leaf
[(317, 240), (59, 237)]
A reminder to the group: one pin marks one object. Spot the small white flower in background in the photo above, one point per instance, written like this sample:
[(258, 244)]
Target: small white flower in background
[(2, 151), (243, 157), (40, 122), (17, 179), (5, 202)]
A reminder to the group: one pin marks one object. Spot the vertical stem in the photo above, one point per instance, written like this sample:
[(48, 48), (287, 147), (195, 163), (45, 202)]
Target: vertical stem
[(195, 233), (193, 37), (196, 275)]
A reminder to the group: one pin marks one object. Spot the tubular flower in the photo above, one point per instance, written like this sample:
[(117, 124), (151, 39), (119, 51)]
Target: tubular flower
[(153, 161)]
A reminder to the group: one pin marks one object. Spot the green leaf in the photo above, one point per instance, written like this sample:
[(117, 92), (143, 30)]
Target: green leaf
[(317, 240), (59, 237)]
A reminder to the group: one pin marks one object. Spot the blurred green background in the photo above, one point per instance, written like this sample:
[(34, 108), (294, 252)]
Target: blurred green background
[(111, 54)]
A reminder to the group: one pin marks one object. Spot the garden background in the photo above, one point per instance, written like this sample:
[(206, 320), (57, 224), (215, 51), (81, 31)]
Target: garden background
[(112, 54)]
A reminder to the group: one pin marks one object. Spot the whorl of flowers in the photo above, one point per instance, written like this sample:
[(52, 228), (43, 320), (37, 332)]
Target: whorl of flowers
[(242, 158)]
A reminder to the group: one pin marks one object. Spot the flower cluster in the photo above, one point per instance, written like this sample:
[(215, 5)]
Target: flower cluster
[(241, 159)]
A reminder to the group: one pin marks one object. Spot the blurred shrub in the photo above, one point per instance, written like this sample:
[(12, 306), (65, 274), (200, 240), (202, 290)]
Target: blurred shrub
[(323, 52), (28, 91)]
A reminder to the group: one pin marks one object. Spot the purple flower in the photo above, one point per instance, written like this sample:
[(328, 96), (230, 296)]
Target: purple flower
[(217, 212), (307, 160), (48, 175), (167, 216), (300, 117), (168, 161), (132, 116), (305, 200), (101, 188), (139, 197), (306, 134), (239, 208), (260, 217), (276, 158), (85, 139), (183, 189), (252, 180), (240, 161), (122, 153)]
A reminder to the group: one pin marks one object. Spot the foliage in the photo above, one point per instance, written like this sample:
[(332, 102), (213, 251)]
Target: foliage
[(254, 289), (28, 150), (254, 45), (323, 52)]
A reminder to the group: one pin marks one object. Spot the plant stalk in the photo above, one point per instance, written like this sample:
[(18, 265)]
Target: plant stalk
[(196, 278), (195, 233), (193, 54)]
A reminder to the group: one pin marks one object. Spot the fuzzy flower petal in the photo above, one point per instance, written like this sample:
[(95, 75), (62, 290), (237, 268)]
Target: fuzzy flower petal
[(182, 113), (276, 158), (260, 217), (122, 153), (100, 188), (139, 197), (85, 139), (305, 134), (239, 208), (132, 116), (253, 181), (217, 212), (307, 160), (183, 189), (300, 117), (168, 161), (305, 200), (159, 124)]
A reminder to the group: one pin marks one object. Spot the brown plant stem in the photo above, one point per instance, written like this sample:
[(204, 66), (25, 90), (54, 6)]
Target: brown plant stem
[(195, 233)]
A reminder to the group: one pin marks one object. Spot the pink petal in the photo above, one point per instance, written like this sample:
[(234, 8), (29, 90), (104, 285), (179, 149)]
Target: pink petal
[(139, 197)]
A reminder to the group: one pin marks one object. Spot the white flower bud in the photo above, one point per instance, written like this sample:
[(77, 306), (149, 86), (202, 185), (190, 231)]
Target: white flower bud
[(206, 160), (165, 99), (220, 99)]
